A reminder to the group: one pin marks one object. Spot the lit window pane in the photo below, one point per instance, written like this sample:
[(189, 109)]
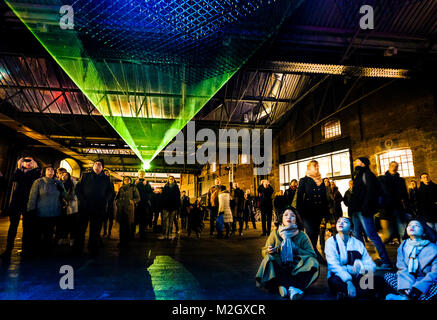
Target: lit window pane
[(293, 172), (341, 164), (403, 157), (332, 129)]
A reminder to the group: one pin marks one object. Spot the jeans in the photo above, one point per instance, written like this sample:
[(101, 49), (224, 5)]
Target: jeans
[(367, 224), (266, 219), (168, 218), (212, 217)]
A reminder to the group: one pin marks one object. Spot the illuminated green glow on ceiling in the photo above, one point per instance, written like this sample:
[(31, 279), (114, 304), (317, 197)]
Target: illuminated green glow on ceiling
[(150, 66)]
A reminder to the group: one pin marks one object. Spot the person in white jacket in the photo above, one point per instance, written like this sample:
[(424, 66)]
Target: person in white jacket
[(224, 199), (350, 268)]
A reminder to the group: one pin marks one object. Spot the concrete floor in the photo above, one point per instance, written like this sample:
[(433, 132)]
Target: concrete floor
[(183, 268)]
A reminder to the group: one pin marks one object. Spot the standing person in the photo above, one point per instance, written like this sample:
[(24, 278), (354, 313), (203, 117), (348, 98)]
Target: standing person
[(195, 216), (249, 209), (127, 197), (212, 203), (413, 202), (363, 205), (171, 203), (290, 263), (45, 200), (427, 200), (224, 199), (69, 217), (108, 220), (397, 198), (348, 261), (265, 191), (416, 278), (338, 198), (26, 173), (185, 208), (143, 212), (331, 216), (156, 205), (60, 172), (347, 197), (237, 210), (94, 191), (312, 203), (291, 192)]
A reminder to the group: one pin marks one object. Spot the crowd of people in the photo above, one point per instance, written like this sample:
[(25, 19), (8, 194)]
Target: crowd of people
[(58, 210), (291, 259)]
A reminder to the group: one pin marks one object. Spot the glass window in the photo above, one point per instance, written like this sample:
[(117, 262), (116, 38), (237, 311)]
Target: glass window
[(341, 164), (293, 172), (331, 129), (403, 157), (325, 166)]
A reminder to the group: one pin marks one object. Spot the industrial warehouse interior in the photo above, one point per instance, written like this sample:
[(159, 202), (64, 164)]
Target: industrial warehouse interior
[(218, 150)]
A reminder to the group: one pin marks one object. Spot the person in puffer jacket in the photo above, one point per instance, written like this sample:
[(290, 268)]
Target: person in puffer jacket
[(126, 199), (224, 199), (45, 200)]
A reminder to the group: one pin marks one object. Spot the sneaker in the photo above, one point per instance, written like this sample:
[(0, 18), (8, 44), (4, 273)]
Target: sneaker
[(295, 293), (283, 291), (393, 296)]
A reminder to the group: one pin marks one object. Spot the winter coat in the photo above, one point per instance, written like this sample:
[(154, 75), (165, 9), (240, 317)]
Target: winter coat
[(265, 200), (185, 206), (195, 218), (365, 192), (224, 199), (249, 206), (157, 202), (413, 202), (337, 198), (305, 258), (426, 275), (312, 200), (46, 197), (212, 196), (171, 197), (71, 199), (396, 191), (347, 200), (126, 199), (289, 195), (23, 184), (238, 197), (337, 257), (427, 198), (145, 191), (94, 192)]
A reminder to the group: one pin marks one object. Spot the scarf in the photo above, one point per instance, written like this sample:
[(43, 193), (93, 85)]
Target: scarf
[(287, 245), (415, 247), (315, 175)]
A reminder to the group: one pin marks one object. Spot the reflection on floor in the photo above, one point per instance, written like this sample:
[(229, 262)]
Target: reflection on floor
[(182, 268)]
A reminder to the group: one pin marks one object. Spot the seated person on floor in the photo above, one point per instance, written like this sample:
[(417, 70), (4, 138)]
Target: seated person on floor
[(416, 278), (290, 262), (348, 262)]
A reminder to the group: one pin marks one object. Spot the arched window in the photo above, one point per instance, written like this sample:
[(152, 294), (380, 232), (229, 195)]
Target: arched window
[(72, 167)]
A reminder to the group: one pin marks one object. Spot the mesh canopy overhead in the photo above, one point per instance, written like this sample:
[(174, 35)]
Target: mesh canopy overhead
[(123, 54)]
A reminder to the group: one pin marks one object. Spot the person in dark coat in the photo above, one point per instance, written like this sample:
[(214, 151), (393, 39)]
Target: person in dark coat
[(265, 192), (338, 198), (249, 209), (185, 207), (348, 196), (237, 209), (171, 204), (26, 173), (291, 192), (45, 199), (156, 204), (364, 204), (427, 200), (312, 202), (108, 220), (126, 198), (94, 191), (195, 216), (413, 202), (143, 212), (395, 206)]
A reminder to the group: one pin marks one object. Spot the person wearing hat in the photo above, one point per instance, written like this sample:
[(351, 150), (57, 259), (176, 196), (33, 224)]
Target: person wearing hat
[(364, 204), (94, 191), (26, 173)]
